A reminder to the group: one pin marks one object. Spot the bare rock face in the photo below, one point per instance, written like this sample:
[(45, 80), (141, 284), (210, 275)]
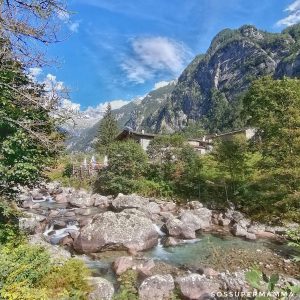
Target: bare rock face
[(117, 231), (102, 289), (101, 201), (157, 287), (195, 286)]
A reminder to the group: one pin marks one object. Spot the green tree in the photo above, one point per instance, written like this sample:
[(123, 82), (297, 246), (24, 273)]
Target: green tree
[(108, 130), (273, 107), (28, 134), (127, 163)]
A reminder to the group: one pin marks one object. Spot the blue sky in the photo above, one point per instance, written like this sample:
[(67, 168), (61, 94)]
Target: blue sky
[(119, 49)]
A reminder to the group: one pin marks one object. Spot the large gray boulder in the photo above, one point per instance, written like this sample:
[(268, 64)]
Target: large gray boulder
[(198, 218), (177, 228), (157, 287), (117, 231), (31, 223), (102, 289), (195, 286), (129, 201), (82, 199)]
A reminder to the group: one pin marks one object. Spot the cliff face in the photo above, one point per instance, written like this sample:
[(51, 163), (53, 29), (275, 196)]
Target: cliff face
[(214, 82)]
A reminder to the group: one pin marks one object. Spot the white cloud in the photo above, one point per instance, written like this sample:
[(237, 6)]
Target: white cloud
[(74, 26), (155, 54), (68, 105), (66, 18), (160, 84), (34, 73), (294, 15)]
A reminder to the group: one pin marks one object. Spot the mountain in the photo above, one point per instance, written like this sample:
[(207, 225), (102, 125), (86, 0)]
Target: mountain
[(209, 90), (136, 114)]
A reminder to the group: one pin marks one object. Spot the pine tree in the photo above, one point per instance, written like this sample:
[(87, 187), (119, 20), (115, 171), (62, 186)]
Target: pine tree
[(108, 129)]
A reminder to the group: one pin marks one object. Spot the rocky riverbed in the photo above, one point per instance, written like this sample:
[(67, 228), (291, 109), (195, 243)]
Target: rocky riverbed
[(190, 248)]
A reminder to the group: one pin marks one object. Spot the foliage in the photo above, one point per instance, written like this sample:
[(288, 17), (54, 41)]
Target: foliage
[(108, 130), (273, 107), (294, 237), (269, 287), (28, 135), (27, 273), (128, 286), (127, 163)]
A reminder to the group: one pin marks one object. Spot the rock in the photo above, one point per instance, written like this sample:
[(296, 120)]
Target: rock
[(84, 211), (31, 223), (69, 214), (197, 218), (171, 241), (82, 199), (37, 195), (257, 228), (233, 282), (177, 228), (238, 230), (234, 215), (28, 204), (145, 268), (57, 253), (195, 204), (117, 231), (152, 208), (129, 201), (210, 272), (195, 286), (53, 187), (101, 201), (122, 264), (157, 287), (168, 206), (66, 241), (250, 236), (102, 289), (53, 213), (62, 198)]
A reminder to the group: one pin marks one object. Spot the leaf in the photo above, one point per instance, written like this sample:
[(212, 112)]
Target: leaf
[(295, 289), (253, 278), (273, 280)]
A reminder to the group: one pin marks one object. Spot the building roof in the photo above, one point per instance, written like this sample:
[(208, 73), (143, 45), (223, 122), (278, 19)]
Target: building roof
[(126, 132)]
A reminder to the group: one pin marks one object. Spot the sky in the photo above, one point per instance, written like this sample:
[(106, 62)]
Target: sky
[(116, 50)]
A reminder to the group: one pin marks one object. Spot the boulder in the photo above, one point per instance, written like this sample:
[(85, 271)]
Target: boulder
[(62, 198), (57, 253), (250, 236), (177, 228), (157, 287), (129, 201), (197, 218), (31, 223), (82, 199), (145, 268), (116, 231), (102, 289), (238, 230), (101, 201), (168, 206), (234, 215), (195, 286), (122, 264), (195, 204)]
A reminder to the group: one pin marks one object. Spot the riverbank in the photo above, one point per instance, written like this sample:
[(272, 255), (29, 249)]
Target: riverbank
[(152, 237)]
